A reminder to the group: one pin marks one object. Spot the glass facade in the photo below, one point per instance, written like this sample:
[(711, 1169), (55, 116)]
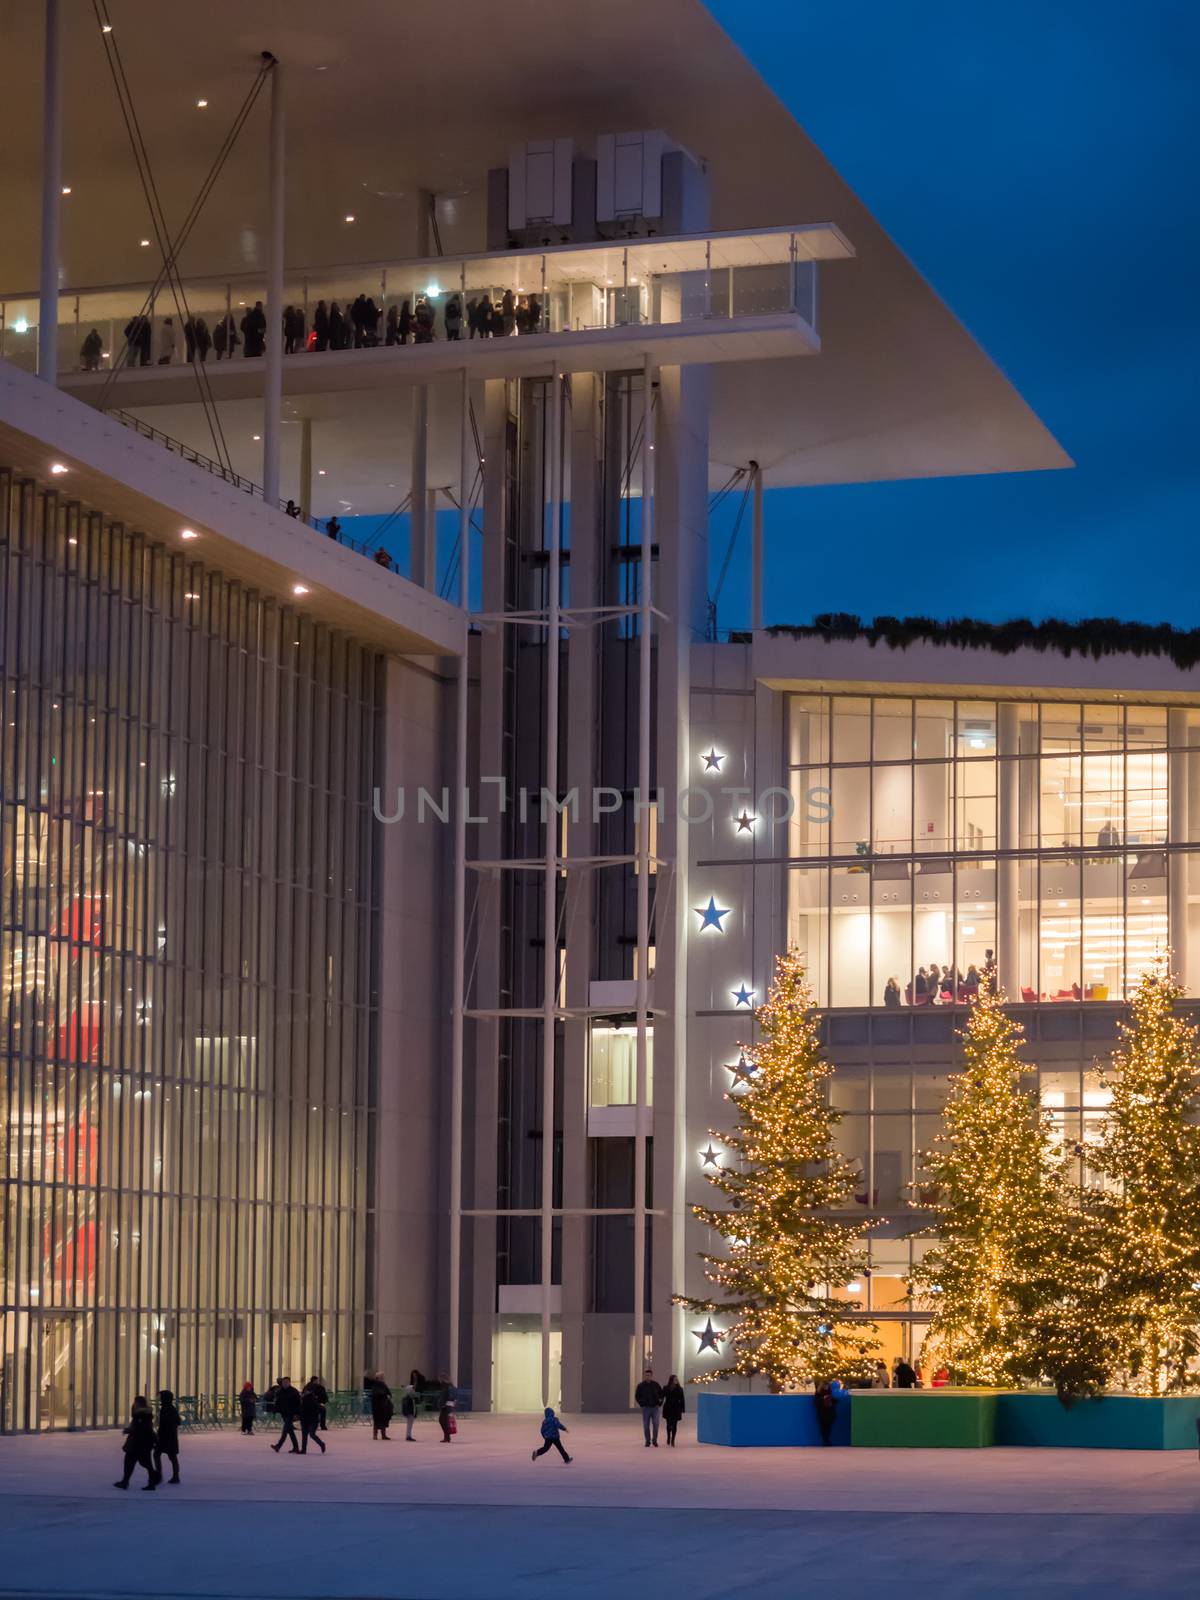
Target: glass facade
[(1052, 841), (186, 956)]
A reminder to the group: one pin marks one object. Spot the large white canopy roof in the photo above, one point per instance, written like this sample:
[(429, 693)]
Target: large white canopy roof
[(384, 102)]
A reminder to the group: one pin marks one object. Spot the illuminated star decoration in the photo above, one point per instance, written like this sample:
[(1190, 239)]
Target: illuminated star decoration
[(712, 761), (742, 996), (709, 1156), (709, 1337), (711, 914), (740, 1068), (745, 823)]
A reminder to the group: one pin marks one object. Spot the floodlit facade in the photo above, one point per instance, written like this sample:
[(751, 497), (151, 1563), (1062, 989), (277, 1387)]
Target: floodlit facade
[(381, 1017)]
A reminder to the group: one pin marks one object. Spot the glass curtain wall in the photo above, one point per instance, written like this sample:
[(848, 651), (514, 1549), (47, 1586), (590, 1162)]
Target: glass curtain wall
[(186, 953), (928, 833)]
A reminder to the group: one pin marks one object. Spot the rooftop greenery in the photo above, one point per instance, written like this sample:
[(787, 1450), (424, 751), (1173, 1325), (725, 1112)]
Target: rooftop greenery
[(1095, 637)]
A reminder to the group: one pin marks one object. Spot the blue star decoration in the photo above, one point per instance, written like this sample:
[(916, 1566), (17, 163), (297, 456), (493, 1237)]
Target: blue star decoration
[(711, 914), (742, 996), (709, 1337), (712, 761)]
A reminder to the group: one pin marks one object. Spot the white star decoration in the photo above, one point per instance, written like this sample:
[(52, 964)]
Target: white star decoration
[(712, 761), (709, 1156)]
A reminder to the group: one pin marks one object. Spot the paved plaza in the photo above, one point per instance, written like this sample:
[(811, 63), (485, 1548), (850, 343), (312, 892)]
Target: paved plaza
[(477, 1519)]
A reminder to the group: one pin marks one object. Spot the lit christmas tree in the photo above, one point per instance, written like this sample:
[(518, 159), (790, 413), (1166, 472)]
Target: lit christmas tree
[(1005, 1240), (781, 1284), (1149, 1236)]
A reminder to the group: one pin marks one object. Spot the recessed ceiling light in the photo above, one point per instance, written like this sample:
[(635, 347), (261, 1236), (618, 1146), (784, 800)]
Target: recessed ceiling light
[(200, 104), (191, 596), (66, 188), (145, 243), (106, 27), (320, 472), (72, 541), (188, 533), (299, 588), (350, 219), (58, 469), (256, 437)]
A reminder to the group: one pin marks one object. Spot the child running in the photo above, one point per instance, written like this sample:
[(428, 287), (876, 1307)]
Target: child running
[(551, 1428)]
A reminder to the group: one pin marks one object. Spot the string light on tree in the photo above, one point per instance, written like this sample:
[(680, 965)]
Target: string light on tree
[(783, 1180)]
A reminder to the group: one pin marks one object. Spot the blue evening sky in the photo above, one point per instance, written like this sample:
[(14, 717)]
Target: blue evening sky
[(1037, 160)]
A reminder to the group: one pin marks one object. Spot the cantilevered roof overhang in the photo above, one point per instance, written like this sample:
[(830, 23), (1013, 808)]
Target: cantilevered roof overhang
[(900, 390), (132, 480)]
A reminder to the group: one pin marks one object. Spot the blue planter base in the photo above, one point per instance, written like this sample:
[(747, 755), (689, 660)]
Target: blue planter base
[(765, 1420)]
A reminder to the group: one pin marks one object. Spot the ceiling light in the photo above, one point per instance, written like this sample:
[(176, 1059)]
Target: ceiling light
[(200, 104), (58, 469), (299, 588), (320, 472), (256, 437), (145, 243), (191, 596), (21, 325), (106, 27), (66, 188), (350, 219), (189, 533), (72, 541)]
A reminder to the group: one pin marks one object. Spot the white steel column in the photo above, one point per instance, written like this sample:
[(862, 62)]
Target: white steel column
[(1008, 867), (460, 886), (417, 507), (429, 581), (47, 351), (643, 872), (273, 357), (756, 562), (305, 468), (552, 437)]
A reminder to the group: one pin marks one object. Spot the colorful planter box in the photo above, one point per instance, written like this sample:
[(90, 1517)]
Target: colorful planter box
[(924, 1419), (765, 1420), (1110, 1422)]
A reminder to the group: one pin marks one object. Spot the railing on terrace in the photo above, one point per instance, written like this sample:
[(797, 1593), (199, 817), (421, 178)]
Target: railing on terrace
[(244, 485), (616, 283)]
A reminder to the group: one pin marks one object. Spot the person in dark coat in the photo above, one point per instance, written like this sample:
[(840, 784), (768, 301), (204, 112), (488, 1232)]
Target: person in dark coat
[(453, 317), (508, 313), (333, 528), (189, 339), (137, 336), (254, 331), (310, 1416), (446, 1409), (903, 1375), (483, 318), (225, 338), (423, 318), (358, 318), (321, 325), (535, 314), (248, 1406), (203, 339), (90, 352), (287, 1408), (552, 1427), (673, 1406), (391, 333), (370, 319), (381, 1407), (338, 335), (404, 322), (322, 1394), (825, 1402), (648, 1397), (168, 1436), (139, 1445)]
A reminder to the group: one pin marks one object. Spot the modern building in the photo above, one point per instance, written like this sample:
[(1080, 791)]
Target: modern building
[(309, 1063)]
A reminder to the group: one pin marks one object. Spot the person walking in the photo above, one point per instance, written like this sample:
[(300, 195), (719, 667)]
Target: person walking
[(139, 1445), (168, 342), (408, 1410), (168, 1436), (552, 1426), (381, 1407), (310, 1416), (446, 1410), (673, 1407), (649, 1397), (90, 352), (322, 1393), (287, 1408), (248, 1406)]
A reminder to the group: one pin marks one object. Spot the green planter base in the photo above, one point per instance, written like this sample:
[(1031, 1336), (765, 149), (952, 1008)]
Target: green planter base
[(1110, 1422), (952, 1419)]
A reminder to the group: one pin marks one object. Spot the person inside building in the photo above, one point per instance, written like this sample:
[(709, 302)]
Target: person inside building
[(203, 339), (225, 336), (453, 317), (891, 993), (291, 509), (254, 331), (1109, 836), (140, 1441), (989, 970), (189, 339), (935, 980), (370, 316), (921, 985), (972, 981), (879, 1376), (391, 331), (333, 528), (90, 352), (423, 320), (339, 334), (483, 317), (903, 1374), (168, 342), (508, 313), (535, 314), (383, 558), (404, 322), (321, 326)]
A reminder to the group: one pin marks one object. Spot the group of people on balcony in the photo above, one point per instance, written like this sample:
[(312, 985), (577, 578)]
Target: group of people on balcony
[(938, 985), (355, 328)]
